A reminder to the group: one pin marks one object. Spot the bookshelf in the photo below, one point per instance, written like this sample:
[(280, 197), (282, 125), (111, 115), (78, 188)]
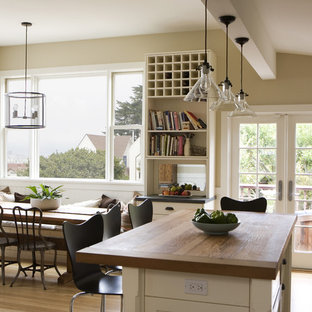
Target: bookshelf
[(170, 120)]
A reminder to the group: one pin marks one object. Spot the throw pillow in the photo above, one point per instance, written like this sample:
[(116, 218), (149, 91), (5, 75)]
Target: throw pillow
[(106, 201), (19, 198), (6, 190), (6, 197)]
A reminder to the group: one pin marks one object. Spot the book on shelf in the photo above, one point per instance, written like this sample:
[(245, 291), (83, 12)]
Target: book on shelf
[(192, 120), (167, 145), (199, 121), (172, 120), (160, 120), (176, 121)]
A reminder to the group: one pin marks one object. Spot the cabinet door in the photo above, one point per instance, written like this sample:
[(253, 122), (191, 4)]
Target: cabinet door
[(154, 304), (164, 208)]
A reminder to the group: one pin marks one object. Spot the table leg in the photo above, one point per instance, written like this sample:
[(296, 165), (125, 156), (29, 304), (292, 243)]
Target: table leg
[(66, 277)]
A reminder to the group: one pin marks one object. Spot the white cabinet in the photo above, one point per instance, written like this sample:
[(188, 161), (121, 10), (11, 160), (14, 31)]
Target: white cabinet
[(161, 209), (170, 305), (169, 77)]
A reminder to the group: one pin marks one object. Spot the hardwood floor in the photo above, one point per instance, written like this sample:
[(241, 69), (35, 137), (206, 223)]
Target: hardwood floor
[(301, 290), (27, 294)]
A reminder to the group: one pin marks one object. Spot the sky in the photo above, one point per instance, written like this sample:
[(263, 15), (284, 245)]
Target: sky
[(75, 106)]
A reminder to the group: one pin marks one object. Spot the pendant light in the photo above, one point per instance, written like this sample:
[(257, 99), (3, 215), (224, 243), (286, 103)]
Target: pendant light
[(25, 110), (227, 99), (242, 107), (205, 87)]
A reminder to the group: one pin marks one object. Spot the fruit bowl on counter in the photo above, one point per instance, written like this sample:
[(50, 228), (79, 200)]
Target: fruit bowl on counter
[(216, 222), (179, 190)]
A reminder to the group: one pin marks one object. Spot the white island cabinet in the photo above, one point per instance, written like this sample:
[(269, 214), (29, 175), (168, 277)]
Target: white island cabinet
[(169, 265)]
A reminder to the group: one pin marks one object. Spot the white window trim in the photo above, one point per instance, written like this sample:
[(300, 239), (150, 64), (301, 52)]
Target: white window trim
[(226, 136), (41, 73)]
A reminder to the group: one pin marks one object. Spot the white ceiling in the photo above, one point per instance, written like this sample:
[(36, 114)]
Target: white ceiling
[(273, 25), (65, 20)]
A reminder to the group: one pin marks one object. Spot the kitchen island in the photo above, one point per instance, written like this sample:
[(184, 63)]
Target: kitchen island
[(169, 265)]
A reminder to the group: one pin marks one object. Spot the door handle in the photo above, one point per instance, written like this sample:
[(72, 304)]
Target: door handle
[(280, 190), (290, 190)]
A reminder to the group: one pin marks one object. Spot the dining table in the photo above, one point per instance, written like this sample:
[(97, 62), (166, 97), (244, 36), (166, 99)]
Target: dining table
[(70, 213)]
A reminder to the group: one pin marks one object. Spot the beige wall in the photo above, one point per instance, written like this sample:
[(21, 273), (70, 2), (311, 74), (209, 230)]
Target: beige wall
[(292, 85)]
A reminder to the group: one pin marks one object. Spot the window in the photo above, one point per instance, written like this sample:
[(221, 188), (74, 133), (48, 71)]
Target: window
[(93, 131), (73, 143), (18, 142), (127, 103)]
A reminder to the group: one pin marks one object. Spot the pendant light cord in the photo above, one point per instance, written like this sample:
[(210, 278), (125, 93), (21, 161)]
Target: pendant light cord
[(206, 1), (241, 68), (227, 53), (26, 61)]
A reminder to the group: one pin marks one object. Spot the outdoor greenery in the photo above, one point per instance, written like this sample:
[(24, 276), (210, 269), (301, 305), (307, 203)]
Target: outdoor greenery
[(85, 164), (78, 163), (258, 155), (130, 112)]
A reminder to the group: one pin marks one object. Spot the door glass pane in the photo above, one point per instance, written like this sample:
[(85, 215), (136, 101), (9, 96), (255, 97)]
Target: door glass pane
[(248, 160), (267, 135), (73, 143), (248, 135), (257, 162), (303, 187)]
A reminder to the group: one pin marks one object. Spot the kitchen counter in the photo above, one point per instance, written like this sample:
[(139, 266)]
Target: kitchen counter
[(177, 199), (162, 258)]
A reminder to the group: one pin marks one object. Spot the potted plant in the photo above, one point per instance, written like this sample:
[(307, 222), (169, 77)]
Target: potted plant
[(45, 197)]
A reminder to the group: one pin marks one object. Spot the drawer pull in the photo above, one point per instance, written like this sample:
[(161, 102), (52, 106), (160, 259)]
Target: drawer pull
[(284, 261), (283, 286), (169, 208)]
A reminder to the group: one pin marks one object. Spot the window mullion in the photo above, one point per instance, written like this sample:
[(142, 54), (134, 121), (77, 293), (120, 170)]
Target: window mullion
[(109, 163)]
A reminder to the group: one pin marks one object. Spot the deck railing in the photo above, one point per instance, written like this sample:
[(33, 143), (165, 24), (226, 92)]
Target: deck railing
[(303, 197)]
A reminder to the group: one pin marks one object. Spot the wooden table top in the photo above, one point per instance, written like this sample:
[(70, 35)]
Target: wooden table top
[(253, 250), (70, 213)]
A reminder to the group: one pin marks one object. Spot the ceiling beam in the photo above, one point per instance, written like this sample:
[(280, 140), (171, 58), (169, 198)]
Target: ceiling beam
[(259, 51)]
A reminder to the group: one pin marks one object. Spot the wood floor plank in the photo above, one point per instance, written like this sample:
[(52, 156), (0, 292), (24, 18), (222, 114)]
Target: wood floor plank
[(27, 295)]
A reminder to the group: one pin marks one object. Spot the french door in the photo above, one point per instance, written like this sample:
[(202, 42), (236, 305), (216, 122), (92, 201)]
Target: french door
[(272, 157)]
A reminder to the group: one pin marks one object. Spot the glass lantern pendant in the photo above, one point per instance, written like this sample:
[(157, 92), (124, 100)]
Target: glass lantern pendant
[(242, 107), (205, 87), (25, 110), (227, 98)]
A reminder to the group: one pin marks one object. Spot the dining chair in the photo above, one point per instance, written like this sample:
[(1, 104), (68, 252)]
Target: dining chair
[(89, 278), (29, 238), (112, 221), (112, 225), (141, 214), (256, 205), (5, 241)]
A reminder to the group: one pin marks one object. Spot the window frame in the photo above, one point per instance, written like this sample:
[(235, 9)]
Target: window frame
[(89, 70)]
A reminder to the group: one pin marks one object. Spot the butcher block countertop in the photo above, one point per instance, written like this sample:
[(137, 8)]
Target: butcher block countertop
[(254, 250)]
